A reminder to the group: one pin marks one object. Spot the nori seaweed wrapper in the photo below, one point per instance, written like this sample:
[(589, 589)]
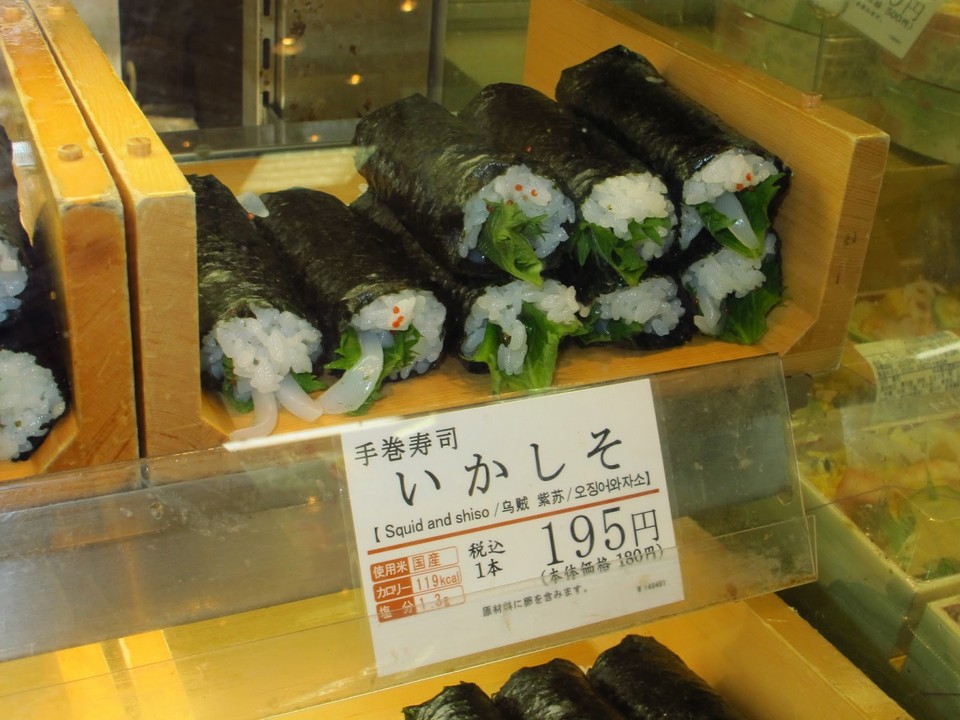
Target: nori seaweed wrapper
[(645, 680), (236, 266), (557, 690), (523, 120), (464, 701), (577, 153), (625, 94), (339, 257), (425, 164), (458, 293)]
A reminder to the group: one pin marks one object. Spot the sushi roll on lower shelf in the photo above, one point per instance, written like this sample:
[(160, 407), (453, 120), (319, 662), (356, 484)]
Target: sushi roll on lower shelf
[(479, 210), (557, 689), (463, 701), (258, 345), (645, 680), (380, 320), (625, 218), (513, 329), (725, 184), (14, 243)]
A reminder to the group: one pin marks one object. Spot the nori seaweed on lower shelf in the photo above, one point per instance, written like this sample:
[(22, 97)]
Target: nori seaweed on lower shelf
[(450, 187), (464, 701), (557, 689), (646, 680)]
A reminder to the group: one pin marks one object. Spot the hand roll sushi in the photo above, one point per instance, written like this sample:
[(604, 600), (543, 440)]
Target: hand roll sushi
[(478, 210), (725, 183), (557, 689), (14, 243), (646, 680), (625, 216), (734, 294), (382, 322), (463, 701), (30, 401), (258, 344), (513, 329)]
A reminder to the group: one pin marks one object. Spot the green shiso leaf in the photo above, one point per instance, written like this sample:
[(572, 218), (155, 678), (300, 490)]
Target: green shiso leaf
[(756, 204), (602, 244), (598, 330), (398, 355), (506, 240), (543, 343), (746, 320), (309, 382), (229, 389)]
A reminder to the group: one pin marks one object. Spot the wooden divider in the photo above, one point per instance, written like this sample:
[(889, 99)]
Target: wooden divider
[(161, 237), (65, 185)]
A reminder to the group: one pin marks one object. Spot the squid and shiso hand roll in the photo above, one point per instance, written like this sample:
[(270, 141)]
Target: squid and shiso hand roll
[(513, 328), (463, 701), (557, 689), (734, 294), (726, 184), (625, 217), (258, 344), (380, 321), (644, 680), (34, 380), (479, 210)]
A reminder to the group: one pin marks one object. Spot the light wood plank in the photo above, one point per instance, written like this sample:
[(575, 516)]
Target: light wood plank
[(78, 204), (161, 231)]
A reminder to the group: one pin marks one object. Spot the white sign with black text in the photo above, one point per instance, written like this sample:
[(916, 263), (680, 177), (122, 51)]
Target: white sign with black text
[(483, 527)]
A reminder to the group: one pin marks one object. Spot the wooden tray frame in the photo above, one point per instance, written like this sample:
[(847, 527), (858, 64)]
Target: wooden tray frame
[(825, 221), (82, 213)]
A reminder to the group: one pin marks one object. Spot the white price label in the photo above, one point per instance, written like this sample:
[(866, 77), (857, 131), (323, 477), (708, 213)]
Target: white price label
[(893, 24), (487, 526), (907, 367)]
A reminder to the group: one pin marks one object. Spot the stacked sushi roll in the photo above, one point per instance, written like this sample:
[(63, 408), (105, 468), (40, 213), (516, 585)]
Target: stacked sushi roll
[(557, 689), (380, 321), (463, 701), (34, 383), (511, 328), (626, 222), (259, 346), (479, 210), (726, 186), (644, 679)]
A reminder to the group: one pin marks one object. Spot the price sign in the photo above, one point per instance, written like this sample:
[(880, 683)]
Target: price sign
[(482, 527), (893, 24)]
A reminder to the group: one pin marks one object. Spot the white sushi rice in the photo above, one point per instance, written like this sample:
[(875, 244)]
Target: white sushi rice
[(534, 194), (652, 303), (616, 201), (501, 306), (29, 401), (722, 274), (263, 349), (397, 312), (717, 182), (13, 279)]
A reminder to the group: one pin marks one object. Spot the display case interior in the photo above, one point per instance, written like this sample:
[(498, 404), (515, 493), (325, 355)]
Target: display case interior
[(824, 222)]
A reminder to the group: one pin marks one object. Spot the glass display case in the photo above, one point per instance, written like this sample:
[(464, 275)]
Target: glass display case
[(813, 469)]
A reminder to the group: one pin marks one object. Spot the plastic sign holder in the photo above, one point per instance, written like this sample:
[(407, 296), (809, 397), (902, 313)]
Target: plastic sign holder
[(261, 538)]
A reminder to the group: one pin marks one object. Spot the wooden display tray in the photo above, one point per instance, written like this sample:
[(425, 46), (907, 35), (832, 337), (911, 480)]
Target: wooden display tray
[(825, 221), (68, 188), (252, 665)]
